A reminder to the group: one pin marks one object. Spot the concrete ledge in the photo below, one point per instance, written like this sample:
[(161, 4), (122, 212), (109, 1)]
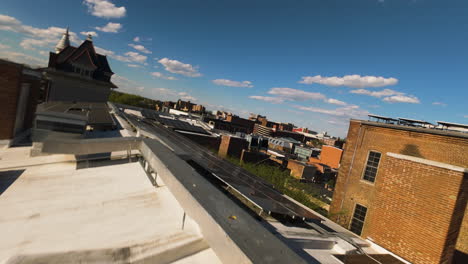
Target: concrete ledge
[(427, 162), (234, 240)]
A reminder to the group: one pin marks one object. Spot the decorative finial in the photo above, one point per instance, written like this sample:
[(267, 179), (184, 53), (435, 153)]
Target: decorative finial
[(63, 43), (90, 37)]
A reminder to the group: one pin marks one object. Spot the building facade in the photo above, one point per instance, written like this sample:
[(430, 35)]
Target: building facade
[(78, 74), (405, 188), (21, 89)]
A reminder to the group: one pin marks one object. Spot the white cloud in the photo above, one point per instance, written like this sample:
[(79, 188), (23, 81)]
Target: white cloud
[(335, 101), (389, 95), (296, 95), (402, 99), (270, 99), (129, 57), (439, 103), (172, 94), (32, 44), (178, 67), (186, 97), (378, 94), (140, 48), (4, 46), (36, 37), (102, 51), (92, 33), (349, 111), (8, 21), (136, 39), (134, 66), (104, 9), (283, 94), (110, 27), (355, 81), (225, 82), (23, 58), (162, 76), (465, 116), (44, 53)]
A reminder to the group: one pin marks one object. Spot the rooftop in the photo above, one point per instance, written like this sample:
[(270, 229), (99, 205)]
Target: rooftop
[(53, 211), (72, 204), (435, 131)]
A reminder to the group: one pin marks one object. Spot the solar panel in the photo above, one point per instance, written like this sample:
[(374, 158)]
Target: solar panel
[(251, 187), (414, 121), (368, 259), (448, 124), (181, 125), (384, 118)]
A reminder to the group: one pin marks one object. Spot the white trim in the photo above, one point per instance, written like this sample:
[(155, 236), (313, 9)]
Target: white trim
[(381, 250), (352, 217), (427, 162), (365, 166)]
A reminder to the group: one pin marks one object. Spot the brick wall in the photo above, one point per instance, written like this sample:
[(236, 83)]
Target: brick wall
[(296, 169), (9, 92), (206, 141), (362, 138), (414, 213), (232, 146), (330, 156), (253, 156)]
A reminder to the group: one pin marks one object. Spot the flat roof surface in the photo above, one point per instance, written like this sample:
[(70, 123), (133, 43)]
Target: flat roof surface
[(413, 121), (56, 212), (415, 129), (96, 113)]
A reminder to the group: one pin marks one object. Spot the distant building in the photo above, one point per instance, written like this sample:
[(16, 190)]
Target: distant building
[(221, 114), (21, 89), (304, 153), (283, 144), (246, 123), (183, 105), (302, 170), (198, 108), (330, 156), (405, 188), (301, 129), (262, 130), (78, 74), (285, 126), (329, 141), (283, 133), (220, 124)]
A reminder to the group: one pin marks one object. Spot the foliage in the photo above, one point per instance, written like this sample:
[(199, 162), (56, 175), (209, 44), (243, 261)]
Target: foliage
[(133, 100), (284, 183)]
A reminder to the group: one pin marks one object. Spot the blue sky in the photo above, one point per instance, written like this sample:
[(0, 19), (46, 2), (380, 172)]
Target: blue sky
[(314, 63)]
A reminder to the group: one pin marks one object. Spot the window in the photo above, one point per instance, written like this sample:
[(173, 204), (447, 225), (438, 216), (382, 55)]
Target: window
[(371, 167), (359, 217)]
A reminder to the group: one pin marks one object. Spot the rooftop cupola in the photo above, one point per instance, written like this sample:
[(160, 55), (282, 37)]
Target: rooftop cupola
[(63, 43)]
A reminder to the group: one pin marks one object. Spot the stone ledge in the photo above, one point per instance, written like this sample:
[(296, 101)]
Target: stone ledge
[(428, 162)]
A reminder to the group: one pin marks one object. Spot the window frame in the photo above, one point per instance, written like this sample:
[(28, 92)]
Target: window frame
[(352, 218), (365, 167)]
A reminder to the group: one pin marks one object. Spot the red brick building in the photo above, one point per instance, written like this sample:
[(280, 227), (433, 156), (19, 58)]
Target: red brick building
[(405, 188), (330, 156), (20, 91)]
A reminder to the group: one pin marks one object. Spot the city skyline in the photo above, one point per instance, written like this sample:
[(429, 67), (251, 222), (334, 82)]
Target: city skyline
[(311, 64)]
